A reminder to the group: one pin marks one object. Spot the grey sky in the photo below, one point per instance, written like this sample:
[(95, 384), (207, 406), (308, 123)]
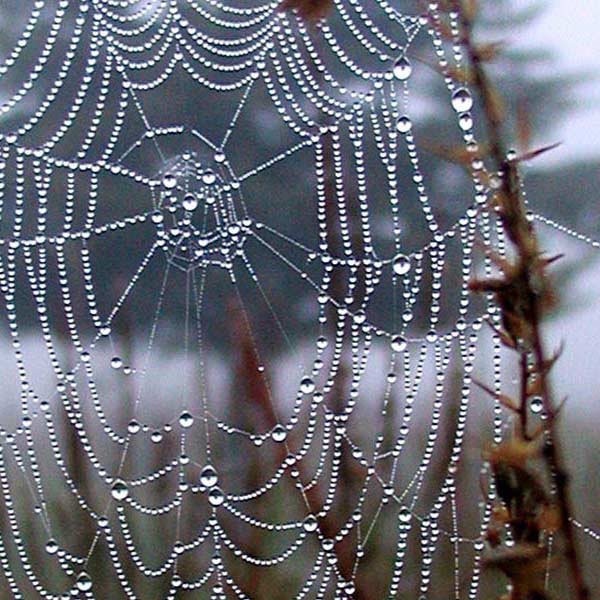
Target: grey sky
[(571, 29)]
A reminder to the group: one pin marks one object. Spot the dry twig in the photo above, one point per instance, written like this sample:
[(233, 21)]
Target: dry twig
[(524, 294)]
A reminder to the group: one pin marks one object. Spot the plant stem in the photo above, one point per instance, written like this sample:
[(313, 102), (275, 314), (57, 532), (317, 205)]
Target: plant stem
[(530, 273)]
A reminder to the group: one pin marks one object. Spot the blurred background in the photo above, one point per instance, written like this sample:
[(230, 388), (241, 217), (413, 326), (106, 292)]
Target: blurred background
[(257, 342)]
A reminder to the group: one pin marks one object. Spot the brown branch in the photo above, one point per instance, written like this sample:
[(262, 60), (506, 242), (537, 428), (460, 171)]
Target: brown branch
[(526, 294)]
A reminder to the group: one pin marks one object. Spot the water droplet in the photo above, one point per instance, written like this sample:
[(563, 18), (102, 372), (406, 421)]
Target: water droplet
[(219, 157), (133, 427), (186, 420), (216, 496), (156, 437), (401, 264), (465, 121), (190, 202), (208, 477), (402, 68), (462, 101), (307, 385), (536, 405), (398, 343), (84, 583), (169, 181), (322, 342), (360, 317), (208, 177), (116, 362), (404, 516), (279, 433), (404, 124), (51, 546), (431, 336), (119, 490), (310, 524)]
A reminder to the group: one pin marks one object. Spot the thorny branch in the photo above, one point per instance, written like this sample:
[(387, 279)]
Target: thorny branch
[(524, 294)]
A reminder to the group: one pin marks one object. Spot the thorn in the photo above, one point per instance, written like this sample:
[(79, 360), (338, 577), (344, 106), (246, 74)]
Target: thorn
[(535, 153)]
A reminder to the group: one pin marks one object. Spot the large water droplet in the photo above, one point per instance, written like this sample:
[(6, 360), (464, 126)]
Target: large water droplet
[(208, 476), (402, 68), (465, 121), (190, 202), (119, 490), (404, 515), (208, 177), (536, 405), (186, 420), (310, 524), (403, 124), (216, 496), (84, 583), (169, 181), (462, 101), (307, 385), (51, 546), (401, 264), (279, 433), (398, 343), (133, 427)]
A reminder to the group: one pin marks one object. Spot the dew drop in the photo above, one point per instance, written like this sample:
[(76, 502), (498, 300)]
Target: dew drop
[(208, 177), (156, 437), (398, 343), (310, 524), (116, 362), (84, 583), (307, 385), (133, 427), (403, 124), (186, 420), (536, 405), (462, 101), (119, 490), (51, 546), (402, 69), (431, 336), (401, 264), (279, 434), (465, 121), (190, 202), (322, 342), (216, 496), (169, 181), (404, 516), (208, 476)]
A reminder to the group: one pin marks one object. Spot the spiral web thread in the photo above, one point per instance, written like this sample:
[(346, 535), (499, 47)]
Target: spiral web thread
[(341, 97)]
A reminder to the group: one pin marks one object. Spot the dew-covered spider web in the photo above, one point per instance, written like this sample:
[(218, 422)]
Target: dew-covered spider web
[(241, 341)]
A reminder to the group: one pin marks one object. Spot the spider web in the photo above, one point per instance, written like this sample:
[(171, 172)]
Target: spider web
[(123, 194)]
